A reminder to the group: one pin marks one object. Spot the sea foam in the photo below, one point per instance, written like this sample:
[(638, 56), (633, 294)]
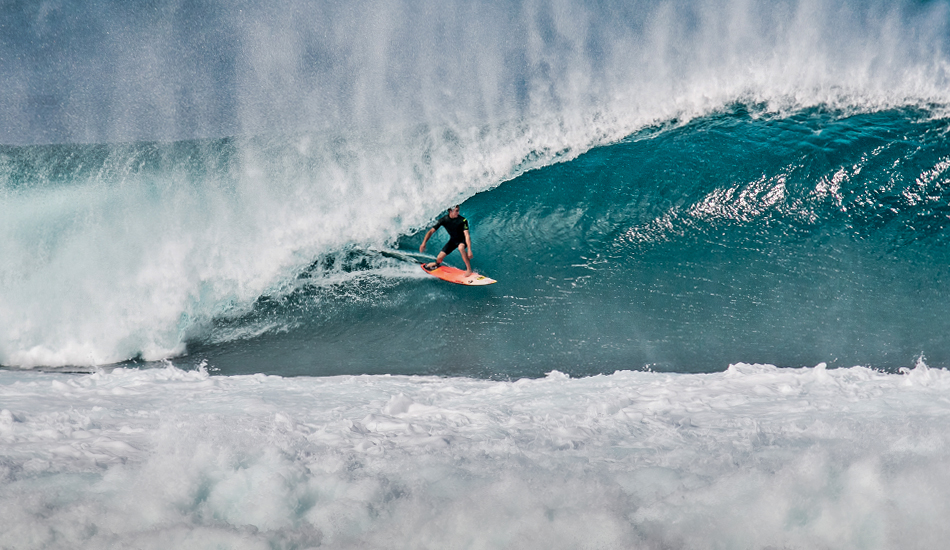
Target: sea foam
[(755, 456)]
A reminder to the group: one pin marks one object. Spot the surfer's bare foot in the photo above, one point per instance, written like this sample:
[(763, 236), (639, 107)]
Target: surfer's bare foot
[(431, 265), (468, 273)]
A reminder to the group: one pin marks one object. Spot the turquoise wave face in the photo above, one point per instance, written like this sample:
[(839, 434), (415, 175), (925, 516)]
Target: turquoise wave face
[(742, 236), (177, 180)]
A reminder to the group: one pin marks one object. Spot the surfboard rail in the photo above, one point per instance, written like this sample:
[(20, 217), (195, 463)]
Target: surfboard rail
[(457, 276)]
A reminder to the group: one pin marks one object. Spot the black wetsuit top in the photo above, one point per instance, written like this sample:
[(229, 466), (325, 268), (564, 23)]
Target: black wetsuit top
[(456, 227)]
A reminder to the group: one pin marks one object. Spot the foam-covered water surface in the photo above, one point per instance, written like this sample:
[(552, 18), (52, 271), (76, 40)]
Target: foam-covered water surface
[(753, 457)]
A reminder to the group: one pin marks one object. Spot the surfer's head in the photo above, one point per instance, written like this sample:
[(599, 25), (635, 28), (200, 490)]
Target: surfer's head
[(454, 211)]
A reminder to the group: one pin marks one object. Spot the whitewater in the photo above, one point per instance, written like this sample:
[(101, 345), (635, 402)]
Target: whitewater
[(720, 230), (753, 457)]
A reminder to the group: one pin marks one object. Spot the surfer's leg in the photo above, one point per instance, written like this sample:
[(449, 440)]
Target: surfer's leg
[(468, 264), (446, 250), (438, 261)]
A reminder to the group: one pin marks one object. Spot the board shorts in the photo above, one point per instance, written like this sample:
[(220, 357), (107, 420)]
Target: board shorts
[(451, 245)]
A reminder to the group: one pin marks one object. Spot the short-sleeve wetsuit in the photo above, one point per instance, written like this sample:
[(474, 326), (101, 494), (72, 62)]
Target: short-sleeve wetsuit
[(456, 227)]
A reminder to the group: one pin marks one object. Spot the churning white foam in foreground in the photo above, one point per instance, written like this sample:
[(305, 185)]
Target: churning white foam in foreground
[(755, 457)]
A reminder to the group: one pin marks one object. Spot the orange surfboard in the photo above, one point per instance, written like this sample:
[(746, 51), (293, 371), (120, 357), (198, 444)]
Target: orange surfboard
[(455, 275)]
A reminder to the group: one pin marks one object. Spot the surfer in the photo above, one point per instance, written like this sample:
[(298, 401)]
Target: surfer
[(459, 238)]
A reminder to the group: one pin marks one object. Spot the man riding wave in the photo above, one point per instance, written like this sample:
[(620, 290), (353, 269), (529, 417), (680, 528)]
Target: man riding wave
[(459, 238)]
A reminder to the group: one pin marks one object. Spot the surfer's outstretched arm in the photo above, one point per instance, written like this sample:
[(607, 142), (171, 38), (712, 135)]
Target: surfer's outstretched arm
[(429, 233)]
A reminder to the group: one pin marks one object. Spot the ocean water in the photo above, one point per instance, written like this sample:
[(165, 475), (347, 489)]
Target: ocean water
[(720, 232)]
